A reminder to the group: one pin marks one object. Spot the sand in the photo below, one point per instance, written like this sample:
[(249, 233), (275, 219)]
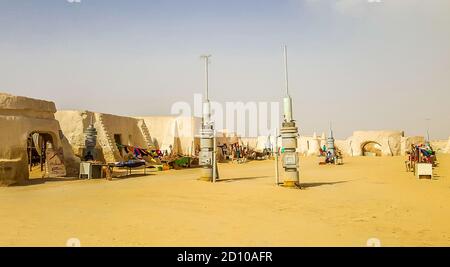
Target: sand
[(340, 206)]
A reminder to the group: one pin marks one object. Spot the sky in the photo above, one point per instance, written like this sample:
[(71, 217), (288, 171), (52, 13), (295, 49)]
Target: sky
[(362, 64)]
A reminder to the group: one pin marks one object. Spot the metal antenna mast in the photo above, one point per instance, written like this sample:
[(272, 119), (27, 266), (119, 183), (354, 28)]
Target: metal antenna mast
[(206, 58), (331, 129), (286, 75)]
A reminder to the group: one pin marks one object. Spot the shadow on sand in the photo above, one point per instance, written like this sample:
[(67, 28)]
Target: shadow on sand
[(311, 185), (229, 180), (130, 176), (38, 181)]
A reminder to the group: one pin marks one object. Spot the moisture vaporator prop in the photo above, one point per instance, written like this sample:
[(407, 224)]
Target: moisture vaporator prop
[(330, 144), (207, 159), (289, 135), (90, 140)]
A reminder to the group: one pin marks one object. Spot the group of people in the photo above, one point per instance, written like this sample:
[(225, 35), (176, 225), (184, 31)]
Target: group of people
[(331, 157), (235, 152), (139, 153), (422, 153)]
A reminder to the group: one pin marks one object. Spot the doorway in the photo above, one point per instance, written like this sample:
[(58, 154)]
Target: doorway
[(371, 149), (118, 141), (37, 145)]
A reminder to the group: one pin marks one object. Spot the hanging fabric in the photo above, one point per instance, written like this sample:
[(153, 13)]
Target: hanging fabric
[(37, 140)]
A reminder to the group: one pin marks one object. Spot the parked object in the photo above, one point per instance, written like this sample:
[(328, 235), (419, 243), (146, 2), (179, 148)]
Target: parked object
[(424, 171), (94, 170), (421, 160)]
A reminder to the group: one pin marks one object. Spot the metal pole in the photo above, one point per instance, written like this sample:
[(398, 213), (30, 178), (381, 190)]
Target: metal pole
[(206, 104), (286, 78), (206, 79), (42, 152), (206, 58), (214, 157), (277, 173), (30, 154)]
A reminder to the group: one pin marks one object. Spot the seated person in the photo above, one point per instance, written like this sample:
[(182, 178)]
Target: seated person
[(89, 156), (329, 157)]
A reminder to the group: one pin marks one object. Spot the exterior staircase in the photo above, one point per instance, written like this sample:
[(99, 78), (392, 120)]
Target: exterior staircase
[(110, 151), (146, 134)]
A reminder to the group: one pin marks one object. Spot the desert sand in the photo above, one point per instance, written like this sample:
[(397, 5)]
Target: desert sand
[(339, 206)]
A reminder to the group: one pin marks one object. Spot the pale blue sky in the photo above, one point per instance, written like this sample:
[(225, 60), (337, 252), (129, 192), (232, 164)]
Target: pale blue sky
[(362, 65)]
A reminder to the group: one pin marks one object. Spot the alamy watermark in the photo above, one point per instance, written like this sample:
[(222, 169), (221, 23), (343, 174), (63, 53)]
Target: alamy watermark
[(246, 119)]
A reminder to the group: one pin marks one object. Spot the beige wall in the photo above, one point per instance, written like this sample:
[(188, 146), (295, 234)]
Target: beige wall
[(406, 143), (252, 142), (393, 143), (131, 130), (390, 142), (439, 146), (447, 149), (310, 145), (179, 132)]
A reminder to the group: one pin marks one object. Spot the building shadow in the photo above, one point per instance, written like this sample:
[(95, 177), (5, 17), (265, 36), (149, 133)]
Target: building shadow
[(37, 181)]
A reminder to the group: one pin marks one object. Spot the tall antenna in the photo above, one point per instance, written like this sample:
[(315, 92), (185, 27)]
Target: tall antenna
[(206, 58), (206, 103), (331, 129), (287, 106), (286, 76), (428, 129)]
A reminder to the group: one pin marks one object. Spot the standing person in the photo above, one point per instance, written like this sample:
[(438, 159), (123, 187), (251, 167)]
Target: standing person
[(244, 154), (233, 152), (324, 150), (238, 152), (225, 151)]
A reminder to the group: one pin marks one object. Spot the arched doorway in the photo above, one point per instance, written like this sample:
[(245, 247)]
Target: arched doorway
[(45, 156), (37, 144), (371, 149)]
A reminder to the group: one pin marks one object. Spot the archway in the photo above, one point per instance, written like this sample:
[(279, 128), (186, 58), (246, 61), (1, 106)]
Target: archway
[(371, 149), (37, 146)]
